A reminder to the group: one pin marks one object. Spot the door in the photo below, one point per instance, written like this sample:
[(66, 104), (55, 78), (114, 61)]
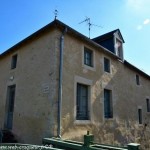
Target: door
[(10, 106)]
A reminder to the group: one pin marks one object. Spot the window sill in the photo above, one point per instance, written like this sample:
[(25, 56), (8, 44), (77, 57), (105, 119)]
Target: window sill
[(109, 73), (138, 85), (108, 119), (140, 124), (82, 122), (89, 67)]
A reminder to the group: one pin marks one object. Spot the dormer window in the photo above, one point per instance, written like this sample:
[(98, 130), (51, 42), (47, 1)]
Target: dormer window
[(119, 48), (112, 41)]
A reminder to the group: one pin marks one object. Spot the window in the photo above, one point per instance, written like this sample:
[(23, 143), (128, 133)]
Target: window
[(137, 80), (119, 48), (140, 115), (148, 105), (108, 109), (88, 57), (14, 62), (106, 64), (82, 112), (11, 94)]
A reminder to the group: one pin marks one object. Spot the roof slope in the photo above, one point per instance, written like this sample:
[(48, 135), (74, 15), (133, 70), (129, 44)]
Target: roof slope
[(60, 25), (108, 35)]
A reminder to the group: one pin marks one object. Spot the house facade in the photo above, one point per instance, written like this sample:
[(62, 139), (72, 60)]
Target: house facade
[(57, 82)]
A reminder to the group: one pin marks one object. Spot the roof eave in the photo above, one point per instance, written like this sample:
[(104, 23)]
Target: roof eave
[(136, 69)]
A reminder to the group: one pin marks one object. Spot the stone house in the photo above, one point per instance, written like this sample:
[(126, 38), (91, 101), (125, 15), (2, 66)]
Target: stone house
[(58, 82)]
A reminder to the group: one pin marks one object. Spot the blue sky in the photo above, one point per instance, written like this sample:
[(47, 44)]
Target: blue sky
[(20, 18)]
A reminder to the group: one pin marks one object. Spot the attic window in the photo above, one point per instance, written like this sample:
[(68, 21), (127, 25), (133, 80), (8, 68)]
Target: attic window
[(119, 48), (137, 79), (14, 61)]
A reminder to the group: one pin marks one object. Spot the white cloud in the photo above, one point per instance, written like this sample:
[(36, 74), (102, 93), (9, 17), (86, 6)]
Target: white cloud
[(138, 6), (139, 27), (146, 21), (135, 4)]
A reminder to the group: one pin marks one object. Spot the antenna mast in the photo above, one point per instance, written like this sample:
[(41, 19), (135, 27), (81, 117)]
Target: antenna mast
[(56, 13), (89, 24)]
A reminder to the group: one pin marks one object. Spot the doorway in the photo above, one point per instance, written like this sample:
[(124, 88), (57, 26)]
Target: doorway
[(10, 106)]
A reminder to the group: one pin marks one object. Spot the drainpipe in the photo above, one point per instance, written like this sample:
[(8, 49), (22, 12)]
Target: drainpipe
[(60, 82)]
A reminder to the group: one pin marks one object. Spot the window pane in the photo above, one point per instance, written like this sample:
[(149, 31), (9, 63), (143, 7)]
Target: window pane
[(106, 65), (119, 48), (137, 80), (11, 98), (148, 105), (82, 102), (88, 57), (108, 110), (14, 62), (140, 115)]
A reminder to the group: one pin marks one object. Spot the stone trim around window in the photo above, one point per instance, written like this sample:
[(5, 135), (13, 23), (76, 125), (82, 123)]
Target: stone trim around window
[(118, 45), (107, 70), (108, 87), (92, 67), (81, 80)]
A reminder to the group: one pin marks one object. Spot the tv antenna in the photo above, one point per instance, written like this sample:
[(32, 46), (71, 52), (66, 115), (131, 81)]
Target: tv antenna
[(56, 13), (89, 24)]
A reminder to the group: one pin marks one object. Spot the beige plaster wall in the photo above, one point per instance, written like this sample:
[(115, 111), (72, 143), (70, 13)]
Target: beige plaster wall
[(126, 95), (35, 108)]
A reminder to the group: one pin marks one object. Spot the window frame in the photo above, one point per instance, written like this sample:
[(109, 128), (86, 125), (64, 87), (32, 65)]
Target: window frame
[(108, 104), (140, 117), (14, 59), (88, 57), (107, 65), (79, 101), (89, 83), (9, 107), (119, 48), (137, 78), (118, 51), (148, 105)]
